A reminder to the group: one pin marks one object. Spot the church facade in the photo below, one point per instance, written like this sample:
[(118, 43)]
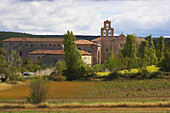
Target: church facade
[(109, 42), (50, 50)]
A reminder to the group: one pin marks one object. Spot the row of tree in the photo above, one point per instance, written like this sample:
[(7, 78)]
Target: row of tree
[(130, 57), (145, 55), (73, 68)]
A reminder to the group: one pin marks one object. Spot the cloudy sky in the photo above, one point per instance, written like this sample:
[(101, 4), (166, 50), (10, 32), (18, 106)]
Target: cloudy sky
[(85, 17)]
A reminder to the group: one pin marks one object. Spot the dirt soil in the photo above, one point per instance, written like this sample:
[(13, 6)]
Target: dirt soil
[(95, 110)]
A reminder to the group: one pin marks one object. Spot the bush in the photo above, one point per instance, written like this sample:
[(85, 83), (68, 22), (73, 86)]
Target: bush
[(54, 76), (39, 89), (144, 74), (114, 75), (60, 66), (17, 77)]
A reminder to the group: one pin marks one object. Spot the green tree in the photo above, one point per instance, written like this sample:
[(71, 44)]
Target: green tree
[(160, 48), (143, 55), (129, 51), (129, 48), (60, 66), (110, 62), (75, 67), (151, 51), (10, 65), (143, 50), (164, 64)]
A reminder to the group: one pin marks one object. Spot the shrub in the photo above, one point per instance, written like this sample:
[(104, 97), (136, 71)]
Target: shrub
[(54, 76), (60, 66), (144, 74), (17, 77), (39, 90), (114, 75)]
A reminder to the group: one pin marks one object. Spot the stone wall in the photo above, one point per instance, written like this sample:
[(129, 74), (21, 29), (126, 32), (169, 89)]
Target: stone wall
[(93, 49)]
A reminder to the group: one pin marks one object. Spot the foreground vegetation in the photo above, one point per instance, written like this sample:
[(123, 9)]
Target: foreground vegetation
[(102, 89), (91, 105)]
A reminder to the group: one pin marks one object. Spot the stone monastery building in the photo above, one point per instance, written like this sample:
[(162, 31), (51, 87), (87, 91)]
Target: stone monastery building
[(50, 50)]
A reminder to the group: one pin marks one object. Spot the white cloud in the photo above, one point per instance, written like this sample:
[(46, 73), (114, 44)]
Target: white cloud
[(146, 19), (85, 17)]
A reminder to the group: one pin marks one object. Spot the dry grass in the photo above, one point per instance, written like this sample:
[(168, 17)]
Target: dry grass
[(94, 105), (4, 86), (10, 84), (102, 89)]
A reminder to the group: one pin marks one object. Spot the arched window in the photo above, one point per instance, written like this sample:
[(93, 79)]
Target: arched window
[(107, 26), (104, 32), (110, 32)]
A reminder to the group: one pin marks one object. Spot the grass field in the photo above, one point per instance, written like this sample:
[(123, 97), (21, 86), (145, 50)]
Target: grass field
[(151, 95), (116, 88), (103, 96), (75, 107)]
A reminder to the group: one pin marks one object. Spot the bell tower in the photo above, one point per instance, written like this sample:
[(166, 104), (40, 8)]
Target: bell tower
[(107, 34), (107, 31)]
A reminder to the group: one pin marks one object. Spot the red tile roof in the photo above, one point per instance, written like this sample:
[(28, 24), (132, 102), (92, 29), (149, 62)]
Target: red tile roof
[(83, 42), (97, 39), (54, 52), (32, 39)]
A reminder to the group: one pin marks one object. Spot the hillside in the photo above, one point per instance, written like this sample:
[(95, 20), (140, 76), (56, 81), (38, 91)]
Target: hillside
[(6, 35)]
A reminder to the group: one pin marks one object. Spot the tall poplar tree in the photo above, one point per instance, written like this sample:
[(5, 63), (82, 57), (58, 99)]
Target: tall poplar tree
[(75, 68), (160, 48), (129, 48), (164, 63), (151, 51), (143, 50), (143, 54), (129, 51)]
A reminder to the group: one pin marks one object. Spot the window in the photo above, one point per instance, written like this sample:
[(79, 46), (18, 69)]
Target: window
[(50, 44), (45, 45), (31, 45), (54, 45), (26, 44), (58, 45), (109, 32), (104, 33), (41, 45), (20, 53), (107, 26), (38, 57), (79, 48), (20, 43), (106, 50)]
